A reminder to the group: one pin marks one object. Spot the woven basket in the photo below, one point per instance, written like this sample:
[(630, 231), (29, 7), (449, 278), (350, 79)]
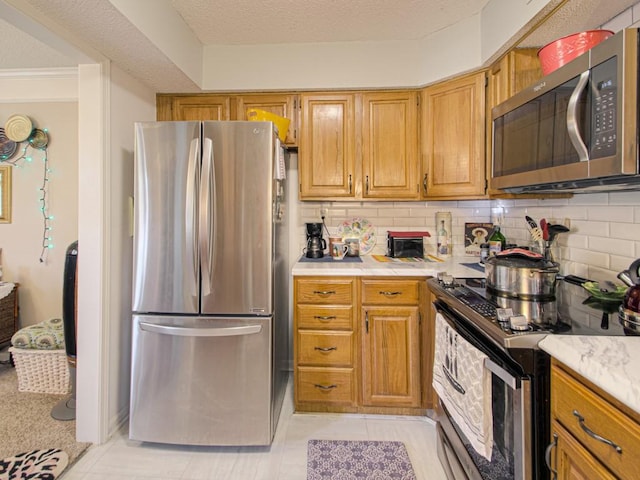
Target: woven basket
[(41, 371), (8, 316)]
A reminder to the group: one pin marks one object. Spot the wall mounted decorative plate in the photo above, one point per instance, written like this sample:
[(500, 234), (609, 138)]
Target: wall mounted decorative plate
[(7, 146), (360, 228), (18, 128), (39, 139)]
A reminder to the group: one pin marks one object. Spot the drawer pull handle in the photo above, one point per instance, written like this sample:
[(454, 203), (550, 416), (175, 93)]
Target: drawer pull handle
[(325, 387), (323, 317), (389, 294), (324, 292), (325, 349), (593, 434)]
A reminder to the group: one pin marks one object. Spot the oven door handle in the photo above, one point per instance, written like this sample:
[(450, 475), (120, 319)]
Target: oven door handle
[(511, 381)]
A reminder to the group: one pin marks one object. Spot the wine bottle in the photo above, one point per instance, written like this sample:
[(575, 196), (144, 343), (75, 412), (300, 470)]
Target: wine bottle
[(496, 241)]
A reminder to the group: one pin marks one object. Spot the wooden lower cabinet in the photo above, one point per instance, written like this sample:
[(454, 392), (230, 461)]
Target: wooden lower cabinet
[(390, 356), (593, 435), (360, 346), (324, 344), (573, 461)]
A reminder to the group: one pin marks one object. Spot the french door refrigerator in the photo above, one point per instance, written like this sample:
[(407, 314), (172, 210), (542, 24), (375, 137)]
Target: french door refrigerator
[(210, 284)]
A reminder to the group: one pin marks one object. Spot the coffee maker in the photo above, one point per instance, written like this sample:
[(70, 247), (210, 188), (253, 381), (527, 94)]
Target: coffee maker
[(315, 242)]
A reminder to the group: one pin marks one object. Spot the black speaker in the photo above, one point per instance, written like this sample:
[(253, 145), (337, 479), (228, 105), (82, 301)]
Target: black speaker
[(70, 300)]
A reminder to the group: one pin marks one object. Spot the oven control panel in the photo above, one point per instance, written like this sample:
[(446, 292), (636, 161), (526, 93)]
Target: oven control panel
[(474, 301)]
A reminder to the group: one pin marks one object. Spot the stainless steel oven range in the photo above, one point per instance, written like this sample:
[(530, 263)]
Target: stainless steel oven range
[(492, 379)]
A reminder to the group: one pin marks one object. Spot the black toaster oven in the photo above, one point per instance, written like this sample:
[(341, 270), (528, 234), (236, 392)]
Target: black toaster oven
[(406, 244)]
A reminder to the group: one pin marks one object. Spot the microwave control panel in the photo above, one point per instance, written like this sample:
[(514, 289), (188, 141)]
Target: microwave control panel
[(604, 93)]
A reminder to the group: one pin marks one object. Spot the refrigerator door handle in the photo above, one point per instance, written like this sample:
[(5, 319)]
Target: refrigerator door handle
[(201, 332), (206, 222), (190, 217)]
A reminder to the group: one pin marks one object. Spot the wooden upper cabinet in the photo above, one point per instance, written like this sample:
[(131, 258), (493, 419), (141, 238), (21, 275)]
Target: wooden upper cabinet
[(327, 146), (360, 145), (228, 107), (453, 141), (516, 70), (194, 107), (390, 145), (284, 105)]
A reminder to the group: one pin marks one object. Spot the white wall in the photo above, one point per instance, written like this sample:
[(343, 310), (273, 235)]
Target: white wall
[(40, 294), (130, 101), (461, 47)]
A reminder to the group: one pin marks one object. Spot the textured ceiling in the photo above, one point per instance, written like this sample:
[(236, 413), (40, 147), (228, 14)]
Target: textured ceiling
[(246, 22), (97, 26)]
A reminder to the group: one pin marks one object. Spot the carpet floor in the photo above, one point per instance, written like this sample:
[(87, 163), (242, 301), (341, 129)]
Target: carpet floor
[(26, 423)]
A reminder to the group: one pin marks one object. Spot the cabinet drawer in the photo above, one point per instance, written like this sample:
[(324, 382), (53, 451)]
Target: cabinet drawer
[(319, 348), (330, 317), (325, 385), (568, 395), (385, 292), (327, 292)]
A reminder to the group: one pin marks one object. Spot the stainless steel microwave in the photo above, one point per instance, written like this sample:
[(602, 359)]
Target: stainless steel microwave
[(577, 128)]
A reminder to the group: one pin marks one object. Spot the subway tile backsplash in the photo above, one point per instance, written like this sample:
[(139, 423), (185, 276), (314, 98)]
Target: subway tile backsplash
[(604, 235)]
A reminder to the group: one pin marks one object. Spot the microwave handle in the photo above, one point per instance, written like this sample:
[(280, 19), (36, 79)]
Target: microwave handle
[(572, 118)]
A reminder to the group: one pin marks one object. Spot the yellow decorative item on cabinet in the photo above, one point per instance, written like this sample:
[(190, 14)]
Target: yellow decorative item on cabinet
[(281, 123)]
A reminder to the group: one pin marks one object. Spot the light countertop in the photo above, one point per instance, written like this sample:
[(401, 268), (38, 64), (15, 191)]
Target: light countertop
[(372, 267), (611, 363)]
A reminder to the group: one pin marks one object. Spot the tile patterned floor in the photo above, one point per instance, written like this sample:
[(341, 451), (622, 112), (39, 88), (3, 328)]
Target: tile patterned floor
[(285, 459)]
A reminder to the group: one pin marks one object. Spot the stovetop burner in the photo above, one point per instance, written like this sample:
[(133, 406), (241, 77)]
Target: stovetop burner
[(513, 322)]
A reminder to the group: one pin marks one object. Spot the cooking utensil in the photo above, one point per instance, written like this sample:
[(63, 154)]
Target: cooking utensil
[(631, 276), (519, 273), (531, 222), (535, 231), (629, 313), (545, 230), (555, 230), (604, 294), (607, 308)]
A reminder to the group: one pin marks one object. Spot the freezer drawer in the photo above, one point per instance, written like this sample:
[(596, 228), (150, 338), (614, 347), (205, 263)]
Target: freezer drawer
[(201, 381)]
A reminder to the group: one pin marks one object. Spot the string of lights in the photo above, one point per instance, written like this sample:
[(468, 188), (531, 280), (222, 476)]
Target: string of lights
[(38, 142)]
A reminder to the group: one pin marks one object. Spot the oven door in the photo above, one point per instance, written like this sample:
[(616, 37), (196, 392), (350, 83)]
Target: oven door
[(511, 401)]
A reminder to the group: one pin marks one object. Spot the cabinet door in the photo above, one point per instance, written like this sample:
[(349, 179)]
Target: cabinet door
[(453, 138), (573, 461), (390, 356), (280, 104), (390, 145), (327, 146), (201, 107), (513, 72)]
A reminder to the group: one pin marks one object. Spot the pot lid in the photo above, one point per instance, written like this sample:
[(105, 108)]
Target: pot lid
[(521, 258)]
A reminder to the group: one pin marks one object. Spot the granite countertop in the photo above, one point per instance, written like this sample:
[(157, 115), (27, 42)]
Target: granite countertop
[(611, 363), (369, 266)]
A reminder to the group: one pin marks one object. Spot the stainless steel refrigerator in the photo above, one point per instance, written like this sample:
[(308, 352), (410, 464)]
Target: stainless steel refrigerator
[(210, 284)]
